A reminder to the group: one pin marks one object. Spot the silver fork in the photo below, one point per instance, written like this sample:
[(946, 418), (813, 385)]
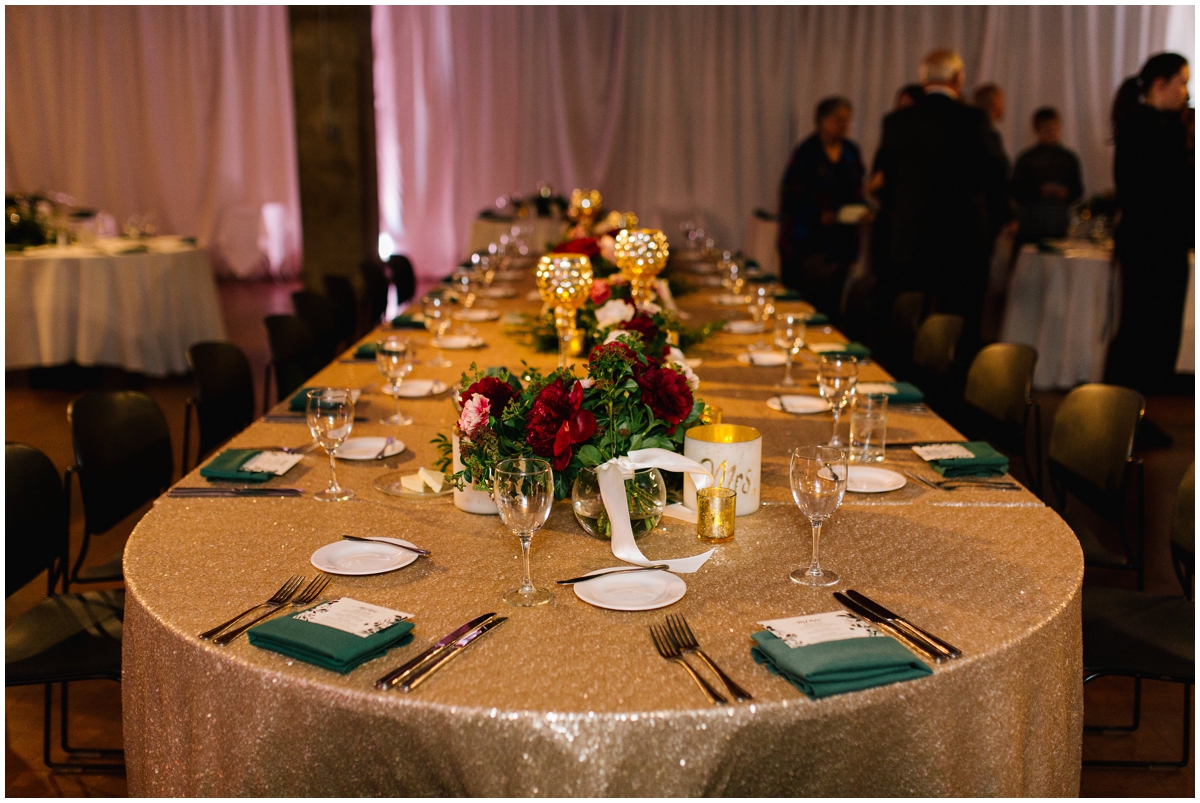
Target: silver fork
[(278, 598), (685, 640), (310, 593), (667, 649)]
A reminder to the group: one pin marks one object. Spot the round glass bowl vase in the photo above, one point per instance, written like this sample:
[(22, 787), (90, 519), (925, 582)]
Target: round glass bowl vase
[(645, 493)]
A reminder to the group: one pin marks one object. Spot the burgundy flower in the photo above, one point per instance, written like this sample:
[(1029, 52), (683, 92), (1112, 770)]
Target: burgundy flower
[(584, 245), (600, 291), (614, 347), (556, 423), (667, 394), (643, 324), (495, 390)]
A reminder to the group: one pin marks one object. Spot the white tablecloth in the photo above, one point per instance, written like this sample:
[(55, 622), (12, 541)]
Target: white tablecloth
[(1185, 363), (1061, 304), (84, 304)]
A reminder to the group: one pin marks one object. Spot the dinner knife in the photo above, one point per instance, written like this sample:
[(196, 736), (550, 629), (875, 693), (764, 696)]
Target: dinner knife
[(450, 652), (416, 549), (395, 676), (901, 622), (586, 577), (864, 613), (187, 492)]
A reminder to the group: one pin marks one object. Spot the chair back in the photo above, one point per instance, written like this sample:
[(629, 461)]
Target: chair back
[(224, 387), (318, 312), (35, 517), (403, 276), (1092, 435), (1183, 531), (1000, 380), (936, 340), (123, 452), (341, 293), (904, 319), (293, 352), (375, 290)]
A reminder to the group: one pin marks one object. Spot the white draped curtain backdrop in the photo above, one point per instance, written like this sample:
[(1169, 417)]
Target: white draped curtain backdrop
[(183, 112), (680, 113)]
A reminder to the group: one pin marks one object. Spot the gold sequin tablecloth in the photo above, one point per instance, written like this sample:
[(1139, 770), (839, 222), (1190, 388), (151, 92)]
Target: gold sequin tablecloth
[(569, 699)]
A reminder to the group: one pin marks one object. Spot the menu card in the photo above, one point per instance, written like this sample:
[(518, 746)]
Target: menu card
[(943, 451), (361, 619), (277, 463), (804, 631)]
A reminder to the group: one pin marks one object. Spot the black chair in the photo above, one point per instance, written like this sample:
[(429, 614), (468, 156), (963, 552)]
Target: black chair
[(403, 276), (294, 356), (224, 398), (375, 290), (122, 459), (1090, 458), (65, 637), (933, 365), (319, 313), (341, 293), (903, 322), (1000, 403), (1147, 636)]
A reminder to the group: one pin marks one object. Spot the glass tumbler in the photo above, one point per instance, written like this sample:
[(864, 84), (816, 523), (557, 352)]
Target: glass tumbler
[(868, 427)]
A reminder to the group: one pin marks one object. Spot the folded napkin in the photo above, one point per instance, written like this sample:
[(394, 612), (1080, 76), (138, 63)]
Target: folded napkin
[(364, 352), (788, 295), (897, 392), (835, 667), (299, 402), (406, 321), (817, 319), (226, 465), (853, 349), (987, 462), (327, 647)]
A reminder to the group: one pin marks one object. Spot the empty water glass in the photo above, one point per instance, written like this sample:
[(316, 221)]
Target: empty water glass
[(868, 427)]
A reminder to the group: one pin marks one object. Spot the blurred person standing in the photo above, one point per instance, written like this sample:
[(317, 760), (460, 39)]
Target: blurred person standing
[(990, 98), (1046, 181)]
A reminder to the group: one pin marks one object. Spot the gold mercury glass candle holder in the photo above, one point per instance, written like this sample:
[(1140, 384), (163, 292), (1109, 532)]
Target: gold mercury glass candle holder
[(716, 514), (641, 255), (564, 282), (585, 205)]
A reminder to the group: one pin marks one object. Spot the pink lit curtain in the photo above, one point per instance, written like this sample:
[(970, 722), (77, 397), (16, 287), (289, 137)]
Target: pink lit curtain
[(692, 112), (185, 112)]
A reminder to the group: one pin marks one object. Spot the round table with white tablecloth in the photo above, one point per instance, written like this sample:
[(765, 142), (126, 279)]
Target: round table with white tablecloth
[(134, 305)]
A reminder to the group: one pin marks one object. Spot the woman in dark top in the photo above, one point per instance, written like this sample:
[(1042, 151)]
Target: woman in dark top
[(824, 175), (1155, 196)]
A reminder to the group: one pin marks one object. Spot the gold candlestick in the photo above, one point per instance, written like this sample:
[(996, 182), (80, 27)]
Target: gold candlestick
[(585, 205), (564, 281), (641, 255)]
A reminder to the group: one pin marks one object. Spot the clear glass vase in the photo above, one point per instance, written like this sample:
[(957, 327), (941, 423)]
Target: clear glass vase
[(645, 492)]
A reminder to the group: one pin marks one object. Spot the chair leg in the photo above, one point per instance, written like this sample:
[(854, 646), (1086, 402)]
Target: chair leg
[(73, 766), (1185, 757), (83, 752), (1116, 730), (187, 432)]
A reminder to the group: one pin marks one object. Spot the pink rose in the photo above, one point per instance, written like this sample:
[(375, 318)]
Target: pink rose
[(600, 291), (474, 415)]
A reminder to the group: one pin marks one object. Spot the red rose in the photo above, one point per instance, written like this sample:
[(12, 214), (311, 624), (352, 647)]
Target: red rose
[(496, 391), (556, 424), (600, 292), (584, 245), (643, 324), (667, 394)]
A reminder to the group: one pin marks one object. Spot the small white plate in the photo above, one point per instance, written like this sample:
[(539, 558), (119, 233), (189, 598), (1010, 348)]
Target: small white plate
[(693, 362), (762, 359), (366, 448), (499, 292), (458, 342), (417, 388), (362, 557), (632, 591), (477, 315), (390, 484), (743, 328), (730, 300), (799, 405), (872, 480)]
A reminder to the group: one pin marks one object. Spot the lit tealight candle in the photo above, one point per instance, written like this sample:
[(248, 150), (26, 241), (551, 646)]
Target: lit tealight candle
[(716, 513)]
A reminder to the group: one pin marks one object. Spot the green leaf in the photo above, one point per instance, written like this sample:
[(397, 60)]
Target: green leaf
[(590, 456)]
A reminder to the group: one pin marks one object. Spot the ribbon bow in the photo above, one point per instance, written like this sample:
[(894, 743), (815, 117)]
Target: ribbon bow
[(612, 476)]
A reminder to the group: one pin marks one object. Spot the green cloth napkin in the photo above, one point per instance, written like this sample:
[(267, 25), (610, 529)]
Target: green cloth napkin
[(817, 319), (299, 402), (406, 321), (364, 352), (987, 462), (836, 667), (853, 349), (226, 466), (905, 393), (788, 295), (326, 647)]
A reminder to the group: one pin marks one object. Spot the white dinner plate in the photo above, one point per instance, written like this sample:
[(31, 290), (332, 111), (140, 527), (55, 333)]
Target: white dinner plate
[(417, 388), (632, 591), (459, 342), (477, 315), (800, 405), (743, 328), (366, 448), (362, 557), (872, 480), (498, 292), (730, 300), (762, 359)]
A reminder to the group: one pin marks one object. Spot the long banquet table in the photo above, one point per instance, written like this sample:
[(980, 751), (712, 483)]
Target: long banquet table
[(570, 699)]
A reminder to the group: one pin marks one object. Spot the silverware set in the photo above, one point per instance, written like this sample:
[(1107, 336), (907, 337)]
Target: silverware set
[(965, 482), (450, 646), (675, 638), (909, 634), (275, 603)]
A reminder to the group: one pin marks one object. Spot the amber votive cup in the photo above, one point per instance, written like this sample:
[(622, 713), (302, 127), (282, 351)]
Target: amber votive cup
[(716, 510), (710, 414)]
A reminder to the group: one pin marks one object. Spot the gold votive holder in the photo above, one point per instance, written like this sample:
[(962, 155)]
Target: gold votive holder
[(716, 511), (710, 414)]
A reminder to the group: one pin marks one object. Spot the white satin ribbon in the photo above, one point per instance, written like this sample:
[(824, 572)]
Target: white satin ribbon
[(612, 476)]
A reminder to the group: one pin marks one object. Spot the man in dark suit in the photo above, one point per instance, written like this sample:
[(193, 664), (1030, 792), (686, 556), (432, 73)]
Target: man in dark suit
[(1046, 181), (940, 181)]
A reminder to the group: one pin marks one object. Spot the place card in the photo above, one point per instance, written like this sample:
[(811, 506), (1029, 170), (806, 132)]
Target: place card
[(277, 463), (804, 631), (942, 451), (360, 619), (867, 388)]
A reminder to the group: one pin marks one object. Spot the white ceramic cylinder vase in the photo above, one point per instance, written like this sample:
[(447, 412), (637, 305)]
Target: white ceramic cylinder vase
[(733, 454), (469, 499)]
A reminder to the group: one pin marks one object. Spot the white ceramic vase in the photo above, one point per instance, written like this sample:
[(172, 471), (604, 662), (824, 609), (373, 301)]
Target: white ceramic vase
[(469, 499)]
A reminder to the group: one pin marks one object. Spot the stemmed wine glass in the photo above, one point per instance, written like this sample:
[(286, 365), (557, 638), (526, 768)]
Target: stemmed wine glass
[(330, 414), (731, 274), (394, 356), (836, 378), (789, 336), (437, 320), (818, 478), (762, 312), (524, 492)]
